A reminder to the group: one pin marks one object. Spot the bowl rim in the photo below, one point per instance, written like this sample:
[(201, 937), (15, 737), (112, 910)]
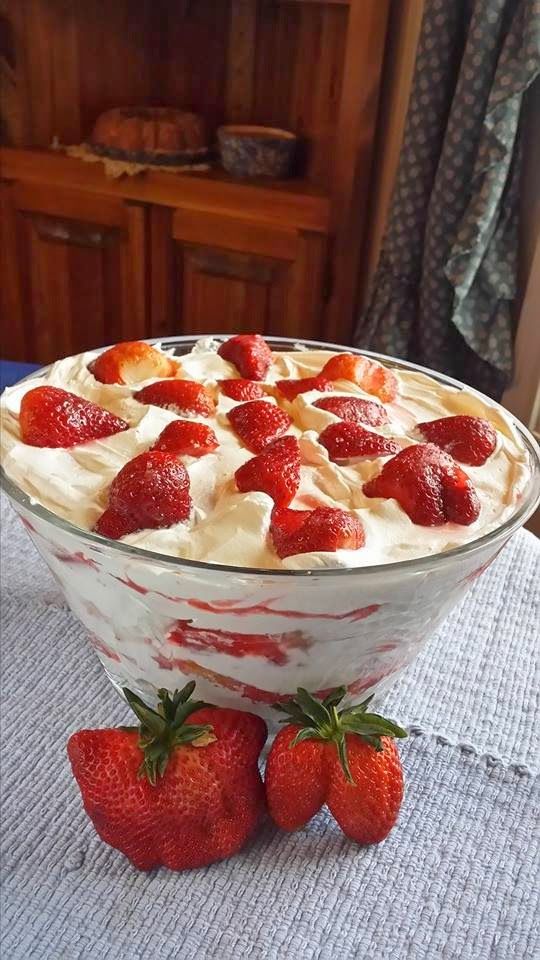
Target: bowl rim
[(415, 564)]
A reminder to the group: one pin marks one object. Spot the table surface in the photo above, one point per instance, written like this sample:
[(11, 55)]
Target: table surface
[(458, 876), (11, 371)]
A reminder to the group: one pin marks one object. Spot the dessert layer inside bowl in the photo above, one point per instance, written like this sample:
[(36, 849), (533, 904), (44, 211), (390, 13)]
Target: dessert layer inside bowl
[(465, 479)]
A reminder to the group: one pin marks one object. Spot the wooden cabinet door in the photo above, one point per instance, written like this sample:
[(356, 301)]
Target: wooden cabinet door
[(74, 271), (216, 274)]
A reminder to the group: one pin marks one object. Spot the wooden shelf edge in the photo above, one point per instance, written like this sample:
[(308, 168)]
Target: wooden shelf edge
[(291, 204)]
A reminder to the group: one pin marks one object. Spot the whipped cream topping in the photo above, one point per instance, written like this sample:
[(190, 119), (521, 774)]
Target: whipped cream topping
[(229, 527)]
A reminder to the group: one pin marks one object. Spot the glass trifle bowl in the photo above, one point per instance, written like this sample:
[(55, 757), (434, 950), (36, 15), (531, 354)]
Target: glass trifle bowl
[(250, 637)]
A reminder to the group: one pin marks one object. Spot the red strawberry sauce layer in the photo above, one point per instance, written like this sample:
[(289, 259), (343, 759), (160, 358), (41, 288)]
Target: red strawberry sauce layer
[(304, 450)]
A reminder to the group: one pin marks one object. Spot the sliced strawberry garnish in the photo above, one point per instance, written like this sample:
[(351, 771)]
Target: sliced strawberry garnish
[(180, 396), (250, 354), (291, 388), (258, 422), (114, 525), (345, 441), (428, 485), (470, 440), (52, 417), (240, 389), (151, 491), (131, 362), (311, 531), (368, 374), (276, 471), (187, 437), (354, 409), (381, 382)]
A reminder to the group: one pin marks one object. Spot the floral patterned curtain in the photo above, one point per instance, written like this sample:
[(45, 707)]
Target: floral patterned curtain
[(443, 291)]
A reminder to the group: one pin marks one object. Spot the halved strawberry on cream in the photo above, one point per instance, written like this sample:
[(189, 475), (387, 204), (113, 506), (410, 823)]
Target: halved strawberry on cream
[(132, 362)]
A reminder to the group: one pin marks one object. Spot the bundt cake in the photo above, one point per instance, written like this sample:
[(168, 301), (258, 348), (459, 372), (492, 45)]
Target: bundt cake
[(161, 135)]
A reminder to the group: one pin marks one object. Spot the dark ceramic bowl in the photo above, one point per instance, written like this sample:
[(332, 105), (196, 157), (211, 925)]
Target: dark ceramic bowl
[(248, 151)]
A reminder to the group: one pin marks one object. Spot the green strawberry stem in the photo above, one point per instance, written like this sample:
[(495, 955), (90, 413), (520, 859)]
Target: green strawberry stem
[(321, 720), (164, 729)]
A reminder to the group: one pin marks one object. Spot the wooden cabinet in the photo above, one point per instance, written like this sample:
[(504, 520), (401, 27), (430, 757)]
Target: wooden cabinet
[(232, 292), (215, 273), (98, 261), (90, 260), (74, 271)]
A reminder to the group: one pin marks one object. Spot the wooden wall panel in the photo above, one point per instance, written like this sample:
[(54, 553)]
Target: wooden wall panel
[(66, 41), (241, 60), (194, 50), (298, 66), (38, 23), (277, 40), (14, 98), (236, 60), (117, 55), (13, 333), (353, 158), (76, 58)]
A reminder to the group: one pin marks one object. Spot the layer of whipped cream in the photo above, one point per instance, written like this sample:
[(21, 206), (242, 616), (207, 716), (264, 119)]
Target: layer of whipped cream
[(229, 527)]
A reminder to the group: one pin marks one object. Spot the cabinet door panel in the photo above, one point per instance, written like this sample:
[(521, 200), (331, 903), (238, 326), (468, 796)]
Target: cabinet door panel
[(231, 292), (80, 272), (234, 276)]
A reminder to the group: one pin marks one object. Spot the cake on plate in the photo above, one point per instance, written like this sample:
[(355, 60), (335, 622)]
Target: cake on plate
[(160, 135)]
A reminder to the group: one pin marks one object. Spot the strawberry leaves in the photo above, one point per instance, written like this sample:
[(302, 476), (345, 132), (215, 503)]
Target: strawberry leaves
[(321, 720), (161, 730)]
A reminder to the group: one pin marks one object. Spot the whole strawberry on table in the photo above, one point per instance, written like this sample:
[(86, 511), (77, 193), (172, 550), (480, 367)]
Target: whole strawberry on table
[(346, 759), (183, 789)]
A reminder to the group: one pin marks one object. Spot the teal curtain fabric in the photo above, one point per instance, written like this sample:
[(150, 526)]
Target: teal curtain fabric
[(446, 279)]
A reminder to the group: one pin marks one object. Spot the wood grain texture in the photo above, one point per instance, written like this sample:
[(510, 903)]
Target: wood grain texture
[(311, 67), (289, 203), (38, 25), (117, 61), (353, 158), (196, 227), (229, 278), (64, 67), (164, 291), (405, 20), (306, 292), (14, 339), (136, 268), (230, 292), (298, 69), (81, 274), (67, 203), (194, 57), (14, 96), (241, 60)]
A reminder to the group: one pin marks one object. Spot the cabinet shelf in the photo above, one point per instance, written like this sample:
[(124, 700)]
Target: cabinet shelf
[(289, 203), (92, 260)]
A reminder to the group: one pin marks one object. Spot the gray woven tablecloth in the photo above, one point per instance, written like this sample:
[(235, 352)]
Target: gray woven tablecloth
[(458, 877)]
